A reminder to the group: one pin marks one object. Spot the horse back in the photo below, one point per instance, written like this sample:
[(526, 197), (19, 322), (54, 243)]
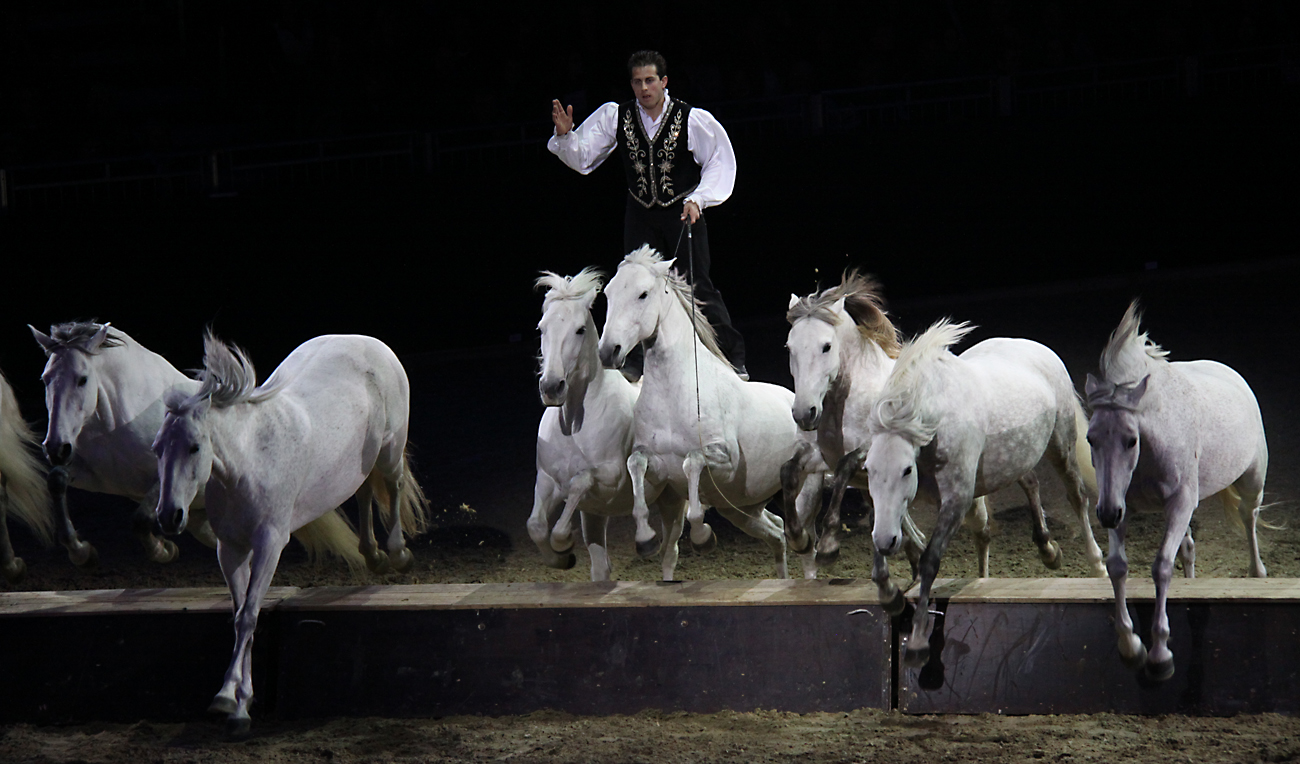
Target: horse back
[(1216, 410)]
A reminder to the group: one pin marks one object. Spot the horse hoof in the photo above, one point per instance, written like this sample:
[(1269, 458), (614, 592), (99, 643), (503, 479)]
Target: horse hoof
[(709, 545), (167, 551), (647, 550), (896, 604), (238, 726), (378, 562), (87, 560), (1051, 556), (223, 705), (1138, 660), (15, 571), (568, 561), (1159, 672), (797, 547), (404, 560), (828, 558), (916, 658)]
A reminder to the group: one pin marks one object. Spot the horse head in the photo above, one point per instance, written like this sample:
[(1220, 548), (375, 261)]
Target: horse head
[(892, 481), (184, 450), (636, 298), (1115, 440), (568, 333), (814, 344), (71, 378)]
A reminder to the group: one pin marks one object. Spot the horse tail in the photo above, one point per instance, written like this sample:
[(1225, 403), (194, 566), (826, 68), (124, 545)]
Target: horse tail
[(1231, 499), (1083, 452), (22, 473), (410, 500), (332, 534), (913, 532)]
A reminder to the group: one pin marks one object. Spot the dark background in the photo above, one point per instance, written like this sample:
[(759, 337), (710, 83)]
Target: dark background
[(441, 256)]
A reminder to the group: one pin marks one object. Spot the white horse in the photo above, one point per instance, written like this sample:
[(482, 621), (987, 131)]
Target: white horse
[(23, 492), (842, 348), (331, 422), (700, 431), (585, 435), (1164, 436), (104, 392), (957, 427)]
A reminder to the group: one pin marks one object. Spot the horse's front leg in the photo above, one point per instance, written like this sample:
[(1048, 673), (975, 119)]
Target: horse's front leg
[(638, 464), (1178, 517), (828, 543), (702, 536), (595, 531), (1130, 646), (265, 557), (234, 562), (891, 597), (546, 502), (562, 533), (81, 553), (807, 503), (13, 568), (794, 474), (952, 509), (142, 523), (376, 560)]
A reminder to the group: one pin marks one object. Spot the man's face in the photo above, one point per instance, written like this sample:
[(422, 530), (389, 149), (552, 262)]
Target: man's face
[(648, 87)]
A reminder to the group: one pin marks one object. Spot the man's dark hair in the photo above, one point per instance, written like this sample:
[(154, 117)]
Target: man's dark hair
[(648, 58)]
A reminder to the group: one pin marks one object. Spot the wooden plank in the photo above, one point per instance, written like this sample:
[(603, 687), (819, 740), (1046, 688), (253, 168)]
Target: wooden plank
[(128, 601), (1140, 589)]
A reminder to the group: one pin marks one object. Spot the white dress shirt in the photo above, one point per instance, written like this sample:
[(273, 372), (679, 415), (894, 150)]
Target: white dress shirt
[(587, 145)]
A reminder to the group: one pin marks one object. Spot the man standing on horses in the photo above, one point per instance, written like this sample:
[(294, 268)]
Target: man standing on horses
[(665, 192)]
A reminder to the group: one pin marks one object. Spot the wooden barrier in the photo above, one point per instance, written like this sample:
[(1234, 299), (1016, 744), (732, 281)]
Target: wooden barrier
[(1002, 645)]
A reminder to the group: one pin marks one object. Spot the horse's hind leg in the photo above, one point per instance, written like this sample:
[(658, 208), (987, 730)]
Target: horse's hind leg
[(594, 534), (672, 511), (1048, 550), (376, 560), (13, 568), (401, 557), (1250, 494), (764, 526), (142, 523), (1187, 555), (1064, 458), (977, 521)]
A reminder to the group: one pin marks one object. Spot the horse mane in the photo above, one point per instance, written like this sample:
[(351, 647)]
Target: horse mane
[(901, 406), (227, 378), (863, 303), (576, 287), (1129, 352), (649, 256), (75, 335)]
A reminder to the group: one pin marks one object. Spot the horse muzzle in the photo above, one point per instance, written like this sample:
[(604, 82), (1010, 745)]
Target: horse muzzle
[(612, 357), (58, 453), (1110, 515), (808, 418), (888, 545), (172, 520), (552, 391)]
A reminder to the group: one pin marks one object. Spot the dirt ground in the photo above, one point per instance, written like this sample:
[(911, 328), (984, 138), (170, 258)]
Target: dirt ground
[(481, 492)]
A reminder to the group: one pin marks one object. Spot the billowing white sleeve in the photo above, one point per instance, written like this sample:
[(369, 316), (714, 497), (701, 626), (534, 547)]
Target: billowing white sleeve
[(711, 147), (587, 145)]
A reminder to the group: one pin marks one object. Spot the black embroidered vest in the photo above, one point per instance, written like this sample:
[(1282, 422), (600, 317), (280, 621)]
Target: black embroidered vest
[(660, 168)]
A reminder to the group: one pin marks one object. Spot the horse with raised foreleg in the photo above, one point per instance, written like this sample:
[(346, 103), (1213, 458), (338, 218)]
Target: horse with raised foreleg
[(23, 492), (700, 431), (842, 348), (585, 434), (104, 392), (330, 423), (1164, 436), (957, 427)]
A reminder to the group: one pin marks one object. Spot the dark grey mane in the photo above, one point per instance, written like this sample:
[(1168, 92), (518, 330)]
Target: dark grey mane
[(863, 303), (75, 335)]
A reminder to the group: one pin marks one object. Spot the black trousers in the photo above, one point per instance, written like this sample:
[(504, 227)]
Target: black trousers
[(662, 228)]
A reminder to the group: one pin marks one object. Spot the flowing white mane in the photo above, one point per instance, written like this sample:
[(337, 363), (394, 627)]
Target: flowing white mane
[(569, 287), (863, 303), (77, 334), (1129, 353), (227, 378), (901, 408), (649, 256)]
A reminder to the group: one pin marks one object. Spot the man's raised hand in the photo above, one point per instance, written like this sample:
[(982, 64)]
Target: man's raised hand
[(562, 117)]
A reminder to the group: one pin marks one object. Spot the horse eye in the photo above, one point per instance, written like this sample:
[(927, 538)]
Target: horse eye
[(81, 381), (1131, 442), (194, 449), (907, 471), (643, 295), (826, 348), (582, 330)]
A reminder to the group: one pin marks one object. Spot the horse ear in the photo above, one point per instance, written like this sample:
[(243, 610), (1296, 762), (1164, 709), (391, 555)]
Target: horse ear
[(174, 398), (794, 300), (838, 307), (589, 298), (661, 268), (46, 342), (94, 342), (1092, 386), (1133, 395)]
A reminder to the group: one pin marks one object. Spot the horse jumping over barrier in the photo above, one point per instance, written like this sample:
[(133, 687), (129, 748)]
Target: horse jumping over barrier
[(23, 491), (331, 422), (1163, 436), (585, 434), (956, 427), (104, 392), (700, 431)]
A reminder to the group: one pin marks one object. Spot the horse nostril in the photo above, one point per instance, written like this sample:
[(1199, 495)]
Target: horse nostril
[(812, 412), (559, 386), (58, 454)]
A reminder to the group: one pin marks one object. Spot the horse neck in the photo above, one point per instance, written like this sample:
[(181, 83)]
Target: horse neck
[(675, 341), (865, 365), (585, 381), (132, 379), (227, 428)]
